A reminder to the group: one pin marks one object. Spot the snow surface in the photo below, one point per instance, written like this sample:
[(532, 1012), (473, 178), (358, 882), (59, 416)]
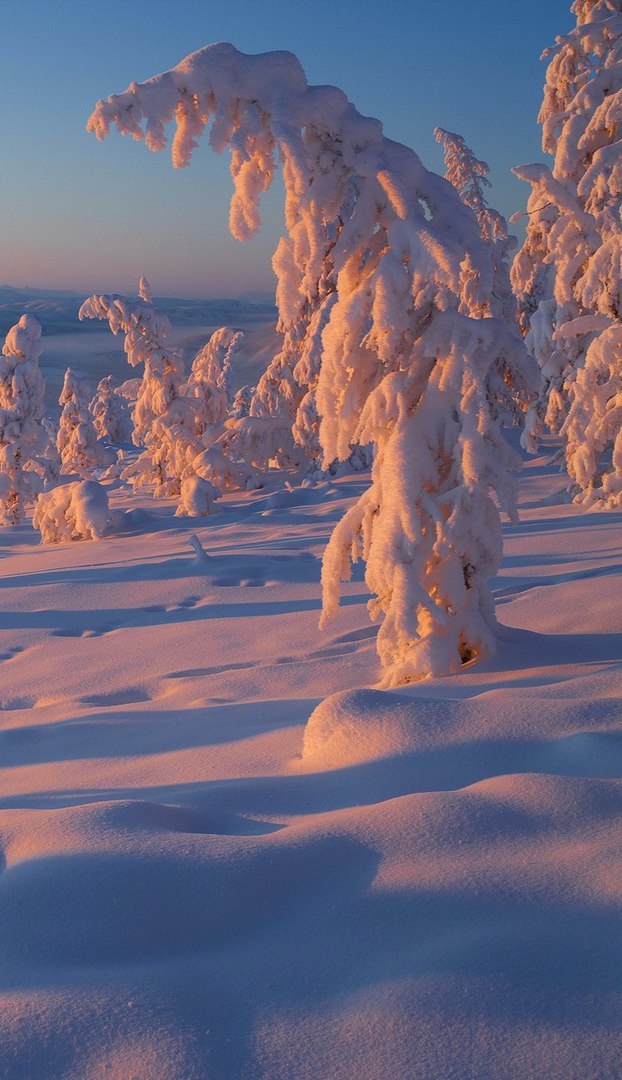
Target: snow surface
[(199, 881)]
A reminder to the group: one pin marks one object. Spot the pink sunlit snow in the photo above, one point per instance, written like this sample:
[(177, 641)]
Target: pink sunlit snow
[(310, 634)]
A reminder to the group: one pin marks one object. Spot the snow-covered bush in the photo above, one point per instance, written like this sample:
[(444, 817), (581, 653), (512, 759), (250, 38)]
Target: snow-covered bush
[(198, 497), (78, 446), (575, 232), (23, 437), (385, 296), (110, 413), (77, 511)]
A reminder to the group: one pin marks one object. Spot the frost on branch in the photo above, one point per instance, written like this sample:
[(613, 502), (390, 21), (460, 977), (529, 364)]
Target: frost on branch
[(575, 232), (77, 511), (390, 336), (23, 437)]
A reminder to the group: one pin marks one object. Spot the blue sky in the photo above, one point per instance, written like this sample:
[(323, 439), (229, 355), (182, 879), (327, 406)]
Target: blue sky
[(88, 216)]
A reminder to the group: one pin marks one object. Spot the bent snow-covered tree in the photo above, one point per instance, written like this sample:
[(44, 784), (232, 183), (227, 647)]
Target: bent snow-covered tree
[(385, 286), (575, 232)]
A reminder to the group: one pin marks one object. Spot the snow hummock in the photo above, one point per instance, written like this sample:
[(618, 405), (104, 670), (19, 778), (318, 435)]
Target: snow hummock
[(353, 726)]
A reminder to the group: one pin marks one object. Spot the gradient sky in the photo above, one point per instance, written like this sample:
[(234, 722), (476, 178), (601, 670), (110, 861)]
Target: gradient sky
[(91, 216)]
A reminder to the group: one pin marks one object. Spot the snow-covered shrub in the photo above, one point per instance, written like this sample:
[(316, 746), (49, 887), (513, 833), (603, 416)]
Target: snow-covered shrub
[(110, 413), (23, 436), (575, 233), (198, 497), (77, 443), (385, 296), (77, 511)]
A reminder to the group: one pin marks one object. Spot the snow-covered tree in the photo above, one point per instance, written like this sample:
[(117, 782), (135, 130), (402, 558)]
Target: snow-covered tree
[(77, 511), (209, 379), (469, 176), (22, 434), (198, 497), (386, 287), (110, 413), (240, 406), (163, 419), (78, 446), (575, 230), (48, 462)]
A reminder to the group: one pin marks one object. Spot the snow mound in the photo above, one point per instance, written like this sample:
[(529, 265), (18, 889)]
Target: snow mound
[(77, 511), (354, 726)]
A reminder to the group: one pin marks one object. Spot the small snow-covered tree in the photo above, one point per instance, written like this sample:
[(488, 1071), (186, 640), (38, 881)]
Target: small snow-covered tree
[(77, 511), (469, 176), (198, 497), (575, 230), (48, 462), (240, 406), (385, 287), (163, 419), (78, 446), (209, 379), (22, 433), (110, 413)]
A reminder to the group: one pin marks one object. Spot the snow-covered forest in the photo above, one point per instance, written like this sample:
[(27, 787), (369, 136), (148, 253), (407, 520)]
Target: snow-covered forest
[(309, 612)]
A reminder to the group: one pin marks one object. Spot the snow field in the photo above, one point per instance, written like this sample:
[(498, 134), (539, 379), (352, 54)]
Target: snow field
[(199, 881)]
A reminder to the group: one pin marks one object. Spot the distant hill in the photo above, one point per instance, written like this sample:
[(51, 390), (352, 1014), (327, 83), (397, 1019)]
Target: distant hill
[(57, 310)]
